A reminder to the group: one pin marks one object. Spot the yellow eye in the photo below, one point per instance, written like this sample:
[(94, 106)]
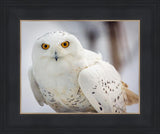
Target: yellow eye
[(65, 44), (45, 46)]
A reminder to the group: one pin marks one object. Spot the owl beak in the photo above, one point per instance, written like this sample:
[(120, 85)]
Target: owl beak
[(56, 56)]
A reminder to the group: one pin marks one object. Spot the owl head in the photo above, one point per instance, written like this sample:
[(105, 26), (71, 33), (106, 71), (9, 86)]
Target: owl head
[(56, 46)]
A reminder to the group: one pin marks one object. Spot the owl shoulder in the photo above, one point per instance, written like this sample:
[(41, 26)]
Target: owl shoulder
[(92, 57)]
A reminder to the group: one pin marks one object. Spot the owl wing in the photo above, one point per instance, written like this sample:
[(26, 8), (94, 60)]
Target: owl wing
[(102, 86), (35, 88)]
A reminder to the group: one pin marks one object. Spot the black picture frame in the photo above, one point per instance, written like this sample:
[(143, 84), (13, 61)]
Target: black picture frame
[(148, 12)]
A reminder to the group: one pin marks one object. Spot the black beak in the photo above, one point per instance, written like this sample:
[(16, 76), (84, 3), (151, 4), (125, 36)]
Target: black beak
[(56, 56)]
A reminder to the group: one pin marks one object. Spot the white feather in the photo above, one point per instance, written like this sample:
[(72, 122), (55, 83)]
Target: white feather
[(94, 82), (35, 88), (67, 84)]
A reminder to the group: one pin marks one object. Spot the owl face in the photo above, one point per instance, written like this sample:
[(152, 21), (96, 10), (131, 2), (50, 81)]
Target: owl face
[(56, 46)]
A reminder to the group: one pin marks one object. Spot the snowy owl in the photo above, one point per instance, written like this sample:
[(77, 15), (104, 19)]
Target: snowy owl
[(69, 78)]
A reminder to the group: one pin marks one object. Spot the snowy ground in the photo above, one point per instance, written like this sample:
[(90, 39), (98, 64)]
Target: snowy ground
[(30, 30)]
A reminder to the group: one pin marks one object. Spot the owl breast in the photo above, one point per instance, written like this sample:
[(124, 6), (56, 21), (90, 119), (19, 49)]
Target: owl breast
[(67, 103), (59, 86)]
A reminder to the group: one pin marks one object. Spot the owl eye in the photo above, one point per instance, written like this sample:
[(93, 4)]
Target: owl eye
[(65, 44), (45, 46)]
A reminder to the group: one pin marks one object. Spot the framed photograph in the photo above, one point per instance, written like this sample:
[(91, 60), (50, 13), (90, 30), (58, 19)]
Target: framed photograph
[(80, 67)]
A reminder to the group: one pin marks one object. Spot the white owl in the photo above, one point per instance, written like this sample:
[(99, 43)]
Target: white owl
[(69, 78)]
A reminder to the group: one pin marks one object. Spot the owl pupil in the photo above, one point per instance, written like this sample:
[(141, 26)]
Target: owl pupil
[(64, 44), (45, 46)]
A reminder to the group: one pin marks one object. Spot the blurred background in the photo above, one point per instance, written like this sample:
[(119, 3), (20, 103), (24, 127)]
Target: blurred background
[(117, 41)]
